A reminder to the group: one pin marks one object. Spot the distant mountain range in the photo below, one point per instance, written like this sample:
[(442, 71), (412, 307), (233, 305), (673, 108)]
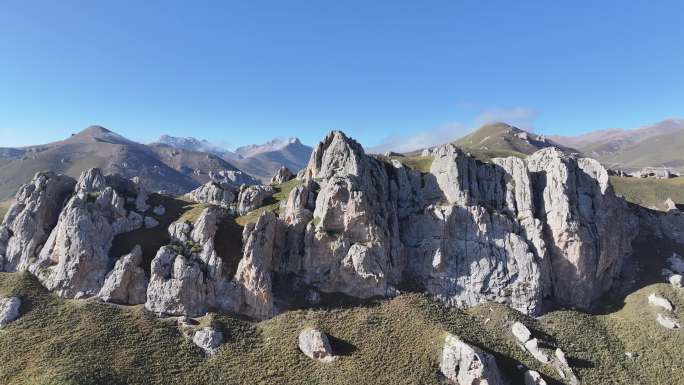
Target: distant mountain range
[(173, 165), (258, 160), (657, 145)]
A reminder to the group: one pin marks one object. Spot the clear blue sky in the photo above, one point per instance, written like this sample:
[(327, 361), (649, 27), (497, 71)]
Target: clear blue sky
[(243, 72)]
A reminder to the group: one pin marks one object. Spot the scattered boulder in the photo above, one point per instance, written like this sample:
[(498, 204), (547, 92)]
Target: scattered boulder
[(282, 175), (9, 310), (670, 205), (521, 332), (208, 339), (676, 281), (466, 365), (532, 346), (314, 344), (533, 378), (659, 301), (668, 322), (126, 283)]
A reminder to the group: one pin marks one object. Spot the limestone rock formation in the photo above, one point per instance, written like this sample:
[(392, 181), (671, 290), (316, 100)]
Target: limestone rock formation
[(282, 175), (589, 228), (254, 296), (466, 365), (187, 276), (75, 258), (315, 345), (214, 193), (126, 283), (176, 285), (9, 310), (208, 339), (252, 197), (30, 220)]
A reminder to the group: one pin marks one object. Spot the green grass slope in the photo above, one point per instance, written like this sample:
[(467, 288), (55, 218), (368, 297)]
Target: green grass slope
[(649, 192), (396, 342), (662, 150)]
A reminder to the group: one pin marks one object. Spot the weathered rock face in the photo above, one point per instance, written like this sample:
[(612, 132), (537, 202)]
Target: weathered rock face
[(187, 276), (588, 229), (126, 283), (252, 197), (75, 258), (31, 218), (282, 175), (214, 193), (176, 285), (9, 310), (253, 279), (314, 344), (352, 244), (465, 365), (512, 231)]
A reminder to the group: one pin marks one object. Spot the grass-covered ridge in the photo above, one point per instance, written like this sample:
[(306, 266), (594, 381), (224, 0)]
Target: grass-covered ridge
[(397, 341), (649, 192)]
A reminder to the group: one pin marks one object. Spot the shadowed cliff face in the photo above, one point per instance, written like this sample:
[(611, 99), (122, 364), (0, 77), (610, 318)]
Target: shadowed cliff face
[(527, 233)]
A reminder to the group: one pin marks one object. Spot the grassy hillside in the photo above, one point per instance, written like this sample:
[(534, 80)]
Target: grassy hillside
[(396, 341), (662, 150), (649, 192)]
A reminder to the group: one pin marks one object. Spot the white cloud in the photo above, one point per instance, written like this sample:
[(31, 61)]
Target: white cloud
[(522, 117), (428, 138)]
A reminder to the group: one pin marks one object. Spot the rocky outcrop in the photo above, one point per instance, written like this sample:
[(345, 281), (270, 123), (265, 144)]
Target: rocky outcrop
[(214, 193), (466, 365), (208, 339), (521, 332), (31, 218), (315, 345), (533, 378), (187, 276), (9, 310), (126, 283), (658, 301), (282, 175), (521, 232), (252, 197), (253, 280), (668, 322), (588, 229), (75, 259)]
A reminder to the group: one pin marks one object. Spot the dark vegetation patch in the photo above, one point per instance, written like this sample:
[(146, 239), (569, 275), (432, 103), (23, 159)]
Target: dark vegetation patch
[(150, 240), (228, 245)]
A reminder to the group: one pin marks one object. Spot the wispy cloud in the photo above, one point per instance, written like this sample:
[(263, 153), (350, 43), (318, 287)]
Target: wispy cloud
[(428, 138), (522, 117)]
